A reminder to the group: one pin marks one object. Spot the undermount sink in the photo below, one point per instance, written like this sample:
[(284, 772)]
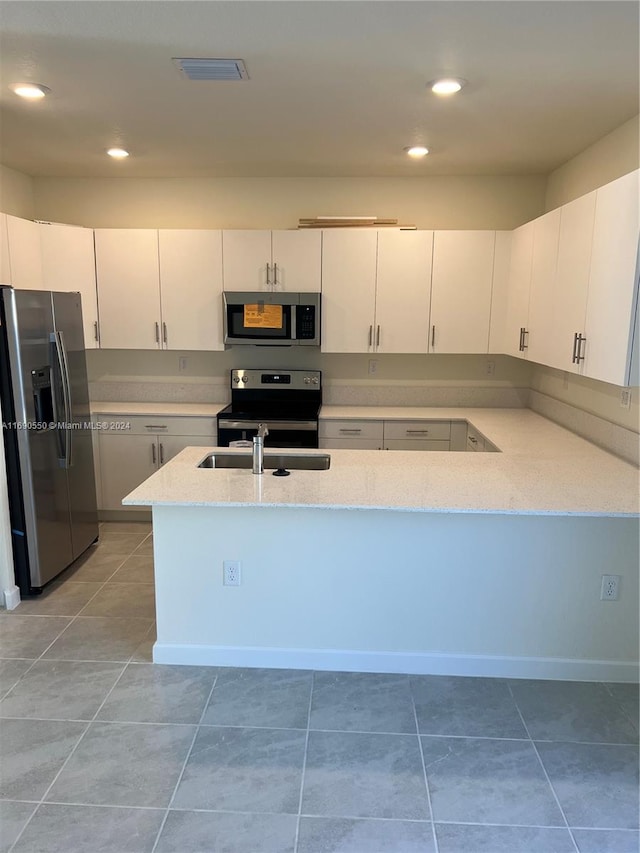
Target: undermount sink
[(272, 461)]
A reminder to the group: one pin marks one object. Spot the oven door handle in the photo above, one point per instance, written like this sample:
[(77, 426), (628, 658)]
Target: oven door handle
[(272, 425)]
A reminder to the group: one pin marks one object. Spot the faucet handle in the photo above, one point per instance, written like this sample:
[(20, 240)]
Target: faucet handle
[(263, 430)]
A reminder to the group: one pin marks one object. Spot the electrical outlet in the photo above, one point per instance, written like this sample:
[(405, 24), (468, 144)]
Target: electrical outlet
[(610, 587), (491, 368), (373, 366), (231, 573), (183, 361), (625, 398)]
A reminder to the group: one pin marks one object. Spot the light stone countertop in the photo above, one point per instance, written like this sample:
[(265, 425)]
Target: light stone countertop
[(188, 410), (543, 469)]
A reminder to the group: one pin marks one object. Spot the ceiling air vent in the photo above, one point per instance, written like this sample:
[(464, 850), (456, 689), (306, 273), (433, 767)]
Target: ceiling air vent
[(212, 69)]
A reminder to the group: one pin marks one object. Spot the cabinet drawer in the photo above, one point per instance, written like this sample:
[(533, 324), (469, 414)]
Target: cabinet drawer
[(415, 444), (350, 444), (432, 430), (350, 429), (159, 425)]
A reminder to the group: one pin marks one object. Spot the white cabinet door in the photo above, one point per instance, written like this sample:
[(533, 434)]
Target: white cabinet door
[(246, 260), (5, 265), (613, 282), (25, 255), (403, 291), (296, 260), (191, 289), (499, 292), (170, 445), (348, 290), (68, 264), (517, 314), (128, 279), (461, 291), (567, 317), (125, 462), (546, 232)]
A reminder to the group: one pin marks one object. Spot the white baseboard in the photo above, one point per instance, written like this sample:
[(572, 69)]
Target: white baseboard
[(11, 597), (411, 663)]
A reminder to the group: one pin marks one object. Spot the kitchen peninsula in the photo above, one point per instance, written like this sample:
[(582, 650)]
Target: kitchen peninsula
[(424, 562)]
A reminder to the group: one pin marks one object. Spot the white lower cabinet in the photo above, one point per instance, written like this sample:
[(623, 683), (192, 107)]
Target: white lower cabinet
[(129, 455), (456, 436), (417, 435), (350, 435)]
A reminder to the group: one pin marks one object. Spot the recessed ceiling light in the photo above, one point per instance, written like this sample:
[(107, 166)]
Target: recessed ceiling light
[(447, 85), (417, 151), (117, 153), (31, 91)]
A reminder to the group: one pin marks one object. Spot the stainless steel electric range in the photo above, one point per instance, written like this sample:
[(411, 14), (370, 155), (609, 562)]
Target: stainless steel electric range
[(287, 401)]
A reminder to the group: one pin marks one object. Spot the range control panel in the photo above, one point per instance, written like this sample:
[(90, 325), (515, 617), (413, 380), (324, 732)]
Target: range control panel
[(295, 380)]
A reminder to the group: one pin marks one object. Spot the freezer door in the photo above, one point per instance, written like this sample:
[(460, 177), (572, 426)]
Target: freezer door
[(67, 312), (38, 482)]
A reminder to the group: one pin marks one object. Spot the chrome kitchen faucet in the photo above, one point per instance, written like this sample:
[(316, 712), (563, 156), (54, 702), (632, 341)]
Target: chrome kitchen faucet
[(258, 449)]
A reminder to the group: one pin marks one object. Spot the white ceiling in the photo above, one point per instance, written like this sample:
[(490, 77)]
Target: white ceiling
[(336, 88)]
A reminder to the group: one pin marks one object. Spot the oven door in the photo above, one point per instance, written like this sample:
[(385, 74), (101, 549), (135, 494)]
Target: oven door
[(281, 433)]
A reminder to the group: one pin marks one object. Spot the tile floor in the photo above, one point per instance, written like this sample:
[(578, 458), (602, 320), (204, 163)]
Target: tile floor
[(102, 751)]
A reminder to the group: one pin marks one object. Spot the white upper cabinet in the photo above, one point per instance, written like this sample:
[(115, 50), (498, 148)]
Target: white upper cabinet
[(128, 277), (516, 327), (546, 233), (461, 291), (68, 264), (499, 292), (613, 282), (272, 260), (5, 265), (25, 255), (246, 260), (403, 287), (348, 290), (566, 320), (296, 260), (191, 289)]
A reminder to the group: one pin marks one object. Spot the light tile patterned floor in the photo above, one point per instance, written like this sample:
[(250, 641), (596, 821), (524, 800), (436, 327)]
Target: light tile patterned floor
[(102, 751)]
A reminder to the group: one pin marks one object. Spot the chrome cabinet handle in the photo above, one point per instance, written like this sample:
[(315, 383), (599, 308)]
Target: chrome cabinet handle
[(161, 454), (153, 453), (433, 336), (521, 344), (416, 432), (574, 357), (269, 282), (157, 333), (164, 333), (275, 274), (96, 336), (378, 336), (342, 429), (155, 426), (370, 335), (579, 353), (525, 339)]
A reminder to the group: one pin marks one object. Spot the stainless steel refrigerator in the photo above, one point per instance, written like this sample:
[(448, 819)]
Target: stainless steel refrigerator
[(46, 432)]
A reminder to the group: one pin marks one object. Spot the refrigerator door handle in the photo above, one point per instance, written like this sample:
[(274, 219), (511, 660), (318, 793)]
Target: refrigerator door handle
[(66, 395), (57, 386)]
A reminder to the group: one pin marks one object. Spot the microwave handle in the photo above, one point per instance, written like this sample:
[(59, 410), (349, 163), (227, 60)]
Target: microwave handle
[(294, 318)]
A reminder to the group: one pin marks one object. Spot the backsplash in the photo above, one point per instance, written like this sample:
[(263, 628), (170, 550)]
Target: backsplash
[(616, 439), (424, 395)]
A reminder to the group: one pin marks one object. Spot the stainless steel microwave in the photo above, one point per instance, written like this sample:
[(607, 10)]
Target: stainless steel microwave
[(266, 318)]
